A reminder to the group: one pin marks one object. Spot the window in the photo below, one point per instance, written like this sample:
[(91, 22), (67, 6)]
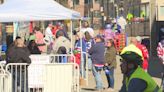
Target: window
[(86, 1), (97, 1), (76, 2), (144, 11), (161, 10), (136, 11), (97, 14)]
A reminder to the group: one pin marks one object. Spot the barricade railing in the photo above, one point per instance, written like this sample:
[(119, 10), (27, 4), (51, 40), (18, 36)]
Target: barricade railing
[(84, 66), (61, 58), (65, 78), (57, 58), (32, 78), (5, 80), (19, 76)]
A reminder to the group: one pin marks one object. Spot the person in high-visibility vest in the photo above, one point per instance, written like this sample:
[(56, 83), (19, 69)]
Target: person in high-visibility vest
[(136, 79), (142, 14), (129, 16)]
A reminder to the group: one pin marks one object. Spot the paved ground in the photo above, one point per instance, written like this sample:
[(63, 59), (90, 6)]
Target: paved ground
[(118, 78)]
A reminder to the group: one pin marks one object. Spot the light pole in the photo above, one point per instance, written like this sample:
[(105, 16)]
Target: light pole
[(116, 10), (102, 12), (107, 8), (92, 10)]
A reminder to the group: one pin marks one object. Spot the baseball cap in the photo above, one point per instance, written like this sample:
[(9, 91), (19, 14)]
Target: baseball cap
[(138, 38), (99, 36)]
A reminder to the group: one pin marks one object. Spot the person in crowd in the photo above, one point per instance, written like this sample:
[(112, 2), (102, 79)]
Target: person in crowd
[(122, 22), (55, 29), (110, 64), (87, 28), (11, 48), (109, 34), (49, 37), (108, 21), (61, 59), (89, 43), (137, 42), (62, 28), (98, 60), (136, 79), (39, 39), (101, 32), (33, 48), (160, 53), (160, 50), (32, 36), (80, 44), (19, 54), (116, 27), (62, 41)]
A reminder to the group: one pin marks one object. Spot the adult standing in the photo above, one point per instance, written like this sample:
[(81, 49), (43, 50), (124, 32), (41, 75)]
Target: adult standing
[(62, 41), (20, 54), (80, 44), (89, 43), (160, 50), (98, 60), (39, 39), (137, 80), (49, 37), (145, 54), (122, 22), (160, 53), (33, 48), (110, 64), (87, 28)]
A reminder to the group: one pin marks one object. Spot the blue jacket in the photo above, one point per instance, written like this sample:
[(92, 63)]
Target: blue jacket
[(97, 53), (78, 45)]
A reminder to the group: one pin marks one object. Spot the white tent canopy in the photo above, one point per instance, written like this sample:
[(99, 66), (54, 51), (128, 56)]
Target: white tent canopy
[(34, 10)]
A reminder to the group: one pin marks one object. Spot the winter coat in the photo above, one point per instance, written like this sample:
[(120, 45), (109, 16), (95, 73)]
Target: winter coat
[(110, 57), (19, 55), (145, 55), (62, 41), (97, 53)]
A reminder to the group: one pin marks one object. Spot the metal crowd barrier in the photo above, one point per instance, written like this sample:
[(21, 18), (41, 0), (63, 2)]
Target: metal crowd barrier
[(19, 76), (84, 66), (61, 58), (43, 77), (5, 80), (61, 78)]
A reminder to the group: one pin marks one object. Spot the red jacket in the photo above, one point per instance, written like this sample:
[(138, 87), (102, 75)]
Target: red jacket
[(145, 55)]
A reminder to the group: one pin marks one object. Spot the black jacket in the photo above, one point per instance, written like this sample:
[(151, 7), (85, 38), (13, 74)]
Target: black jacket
[(19, 55)]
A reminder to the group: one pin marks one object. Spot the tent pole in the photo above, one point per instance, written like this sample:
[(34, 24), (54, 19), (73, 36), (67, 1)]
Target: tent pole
[(16, 27), (81, 45), (71, 38)]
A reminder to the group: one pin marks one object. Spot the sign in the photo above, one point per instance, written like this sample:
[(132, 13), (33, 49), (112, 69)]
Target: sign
[(9, 29), (36, 70), (145, 1)]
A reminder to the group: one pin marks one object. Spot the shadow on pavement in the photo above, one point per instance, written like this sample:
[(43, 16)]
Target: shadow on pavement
[(89, 89), (155, 67)]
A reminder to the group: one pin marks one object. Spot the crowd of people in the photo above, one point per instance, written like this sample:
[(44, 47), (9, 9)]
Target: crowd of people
[(101, 52)]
